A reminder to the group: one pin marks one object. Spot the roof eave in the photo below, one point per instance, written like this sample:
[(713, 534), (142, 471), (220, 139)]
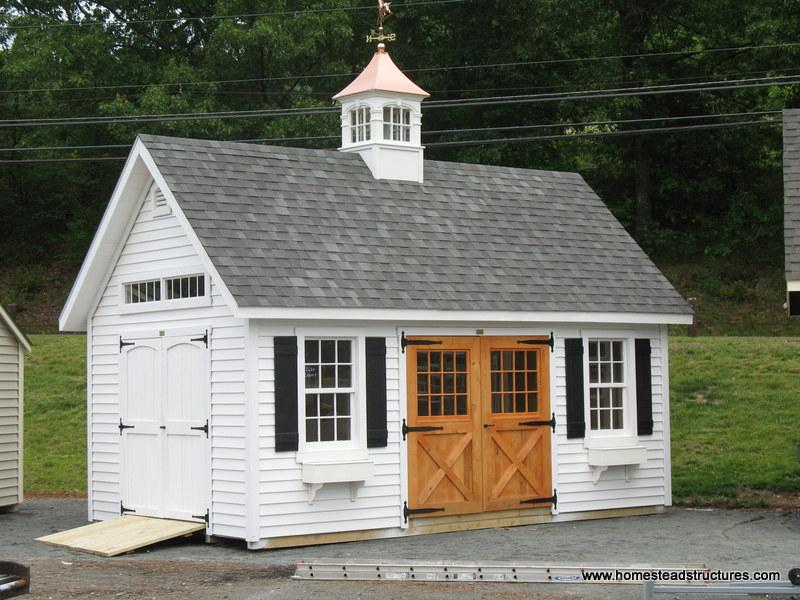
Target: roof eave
[(462, 316), (21, 338)]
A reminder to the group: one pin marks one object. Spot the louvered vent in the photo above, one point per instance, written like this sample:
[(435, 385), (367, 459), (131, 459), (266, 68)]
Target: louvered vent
[(160, 206)]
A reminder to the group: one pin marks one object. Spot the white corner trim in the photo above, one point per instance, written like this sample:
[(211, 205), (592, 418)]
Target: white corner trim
[(456, 316), (188, 229)]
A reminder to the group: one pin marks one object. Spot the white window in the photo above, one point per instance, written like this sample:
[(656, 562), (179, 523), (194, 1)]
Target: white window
[(329, 390), (139, 292), (359, 125), (607, 385), (396, 124), (190, 286), (162, 292)]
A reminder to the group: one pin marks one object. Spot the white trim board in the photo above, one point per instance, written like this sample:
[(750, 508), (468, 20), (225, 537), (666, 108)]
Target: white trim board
[(458, 316), (793, 286)]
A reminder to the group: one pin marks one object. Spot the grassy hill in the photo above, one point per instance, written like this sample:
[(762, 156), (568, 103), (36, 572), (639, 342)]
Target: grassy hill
[(734, 424)]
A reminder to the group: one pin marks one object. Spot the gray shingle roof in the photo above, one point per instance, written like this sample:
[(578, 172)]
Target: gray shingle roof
[(791, 192), (290, 227)]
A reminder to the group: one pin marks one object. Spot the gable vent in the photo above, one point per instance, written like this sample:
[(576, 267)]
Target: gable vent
[(159, 200)]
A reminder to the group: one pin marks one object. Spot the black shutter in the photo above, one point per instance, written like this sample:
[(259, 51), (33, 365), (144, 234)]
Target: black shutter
[(285, 394), (644, 388), (576, 422), (377, 435)]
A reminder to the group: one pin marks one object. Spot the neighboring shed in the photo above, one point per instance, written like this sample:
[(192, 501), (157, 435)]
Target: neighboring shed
[(791, 207), (13, 345), (303, 346)]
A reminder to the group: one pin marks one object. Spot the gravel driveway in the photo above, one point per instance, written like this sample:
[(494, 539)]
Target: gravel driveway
[(745, 540)]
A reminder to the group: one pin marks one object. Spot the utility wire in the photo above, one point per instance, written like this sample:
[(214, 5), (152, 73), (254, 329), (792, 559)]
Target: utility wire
[(478, 101), (418, 70), (651, 131), (626, 132), (442, 131), (282, 13)]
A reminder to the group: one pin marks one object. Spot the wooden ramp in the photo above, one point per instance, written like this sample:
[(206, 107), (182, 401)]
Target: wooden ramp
[(121, 535)]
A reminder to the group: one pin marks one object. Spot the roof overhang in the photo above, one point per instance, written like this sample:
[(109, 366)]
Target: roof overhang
[(111, 234), (15, 331), (459, 316)]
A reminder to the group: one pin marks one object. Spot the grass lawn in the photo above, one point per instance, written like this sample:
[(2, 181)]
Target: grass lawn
[(734, 418), (55, 415)]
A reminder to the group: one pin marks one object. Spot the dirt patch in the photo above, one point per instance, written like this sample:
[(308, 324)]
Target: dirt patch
[(146, 579), (746, 499), (54, 495)]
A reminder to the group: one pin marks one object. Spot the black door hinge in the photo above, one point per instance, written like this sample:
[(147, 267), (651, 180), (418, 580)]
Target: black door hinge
[(203, 428), (548, 342), (123, 510), (552, 499), (404, 341), (550, 423), (123, 427), (203, 339), (406, 429), (123, 344), (202, 517), (418, 511)]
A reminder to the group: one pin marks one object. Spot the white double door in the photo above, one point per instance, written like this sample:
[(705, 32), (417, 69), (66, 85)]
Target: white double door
[(164, 410)]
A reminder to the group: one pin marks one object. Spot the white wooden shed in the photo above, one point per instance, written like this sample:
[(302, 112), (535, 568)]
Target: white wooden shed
[(13, 346), (304, 346)]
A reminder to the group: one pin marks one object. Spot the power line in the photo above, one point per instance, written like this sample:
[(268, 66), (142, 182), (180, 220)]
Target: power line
[(621, 92), (623, 133), (651, 131), (418, 70), (478, 101), (282, 13), (614, 122)]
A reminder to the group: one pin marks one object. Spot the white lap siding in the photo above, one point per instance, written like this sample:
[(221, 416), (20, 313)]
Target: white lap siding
[(645, 484), (159, 244), (10, 418), (283, 497)]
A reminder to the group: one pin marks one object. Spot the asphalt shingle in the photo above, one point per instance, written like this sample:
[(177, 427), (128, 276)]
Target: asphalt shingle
[(791, 192), (291, 227)]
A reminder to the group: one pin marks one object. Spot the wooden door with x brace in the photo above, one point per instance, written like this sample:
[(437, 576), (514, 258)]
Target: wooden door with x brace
[(479, 425)]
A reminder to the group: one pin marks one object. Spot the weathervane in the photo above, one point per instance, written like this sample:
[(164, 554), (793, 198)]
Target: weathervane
[(384, 10)]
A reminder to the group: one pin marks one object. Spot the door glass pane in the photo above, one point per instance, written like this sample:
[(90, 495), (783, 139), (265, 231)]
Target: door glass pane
[(461, 404), (422, 406), (442, 383), (449, 405), (514, 381)]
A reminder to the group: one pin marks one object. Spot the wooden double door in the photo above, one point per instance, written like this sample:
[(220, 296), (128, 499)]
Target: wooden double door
[(479, 424)]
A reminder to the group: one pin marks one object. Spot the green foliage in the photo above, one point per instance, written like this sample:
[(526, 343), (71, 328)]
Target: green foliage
[(733, 409), (703, 192)]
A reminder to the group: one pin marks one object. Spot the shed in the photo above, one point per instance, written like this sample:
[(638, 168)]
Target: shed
[(791, 207), (303, 346), (13, 346)]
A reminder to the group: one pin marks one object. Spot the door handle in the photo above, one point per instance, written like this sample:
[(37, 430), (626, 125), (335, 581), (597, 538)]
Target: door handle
[(163, 427), (487, 425)]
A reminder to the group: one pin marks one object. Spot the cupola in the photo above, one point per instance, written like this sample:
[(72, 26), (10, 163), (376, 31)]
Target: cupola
[(382, 120)]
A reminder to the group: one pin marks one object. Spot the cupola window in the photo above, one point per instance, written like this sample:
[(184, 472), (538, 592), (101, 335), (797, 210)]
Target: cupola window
[(359, 125), (396, 124)]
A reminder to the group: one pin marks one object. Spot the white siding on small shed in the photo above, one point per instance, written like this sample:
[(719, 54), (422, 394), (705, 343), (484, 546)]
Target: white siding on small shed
[(10, 418), (283, 497), (645, 485), (160, 244)]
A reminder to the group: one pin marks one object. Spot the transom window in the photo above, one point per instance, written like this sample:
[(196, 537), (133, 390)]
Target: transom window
[(190, 286), (515, 385), (165, 289), (359, 125), (329, 389), (139, 292), (606, 384), (442, 383), (396, 124)]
